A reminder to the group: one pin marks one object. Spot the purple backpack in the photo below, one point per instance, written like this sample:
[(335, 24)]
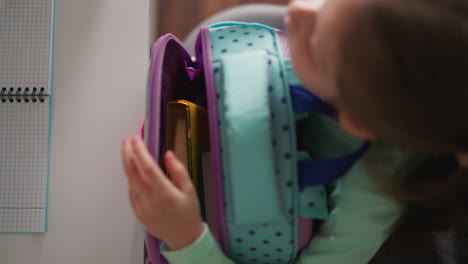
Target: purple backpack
[(262, 193)]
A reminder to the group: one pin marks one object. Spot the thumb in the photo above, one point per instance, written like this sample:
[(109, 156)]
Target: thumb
[(177, 171)]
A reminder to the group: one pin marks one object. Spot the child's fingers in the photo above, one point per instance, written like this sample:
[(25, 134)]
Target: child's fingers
[(147, 167), (178, 171), (134, 179)]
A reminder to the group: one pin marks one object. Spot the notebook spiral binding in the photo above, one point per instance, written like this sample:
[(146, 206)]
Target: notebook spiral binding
[(19, 95)]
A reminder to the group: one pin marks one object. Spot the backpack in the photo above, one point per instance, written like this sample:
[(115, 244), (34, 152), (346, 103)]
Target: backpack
[(259, 187)]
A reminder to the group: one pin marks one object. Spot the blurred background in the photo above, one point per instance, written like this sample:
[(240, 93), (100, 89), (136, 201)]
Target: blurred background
[(180, 16)]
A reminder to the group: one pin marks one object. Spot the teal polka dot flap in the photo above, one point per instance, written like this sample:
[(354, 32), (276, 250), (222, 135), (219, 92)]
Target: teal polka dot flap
[(262, 197), (251, 184)]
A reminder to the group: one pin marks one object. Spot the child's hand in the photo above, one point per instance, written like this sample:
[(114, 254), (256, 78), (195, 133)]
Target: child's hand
[(169, 210)]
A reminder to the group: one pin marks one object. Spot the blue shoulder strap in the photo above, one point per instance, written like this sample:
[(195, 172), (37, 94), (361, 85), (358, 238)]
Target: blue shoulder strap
[(304, 101), (320, 171)]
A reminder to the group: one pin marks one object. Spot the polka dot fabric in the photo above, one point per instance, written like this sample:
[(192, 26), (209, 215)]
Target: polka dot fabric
[(265, 242), (313, 201), (232, 39)]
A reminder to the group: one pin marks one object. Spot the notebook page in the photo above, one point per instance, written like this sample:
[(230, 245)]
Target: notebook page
[(26, 43), (24, 152)]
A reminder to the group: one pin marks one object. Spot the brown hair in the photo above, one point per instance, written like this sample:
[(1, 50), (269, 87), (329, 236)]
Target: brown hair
[(412, 74)]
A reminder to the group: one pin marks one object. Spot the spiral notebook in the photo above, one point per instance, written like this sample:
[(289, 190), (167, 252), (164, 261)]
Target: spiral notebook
[(26, 49)]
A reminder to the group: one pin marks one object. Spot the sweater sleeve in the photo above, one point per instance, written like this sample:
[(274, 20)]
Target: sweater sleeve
[(360, 220), (203, 250)]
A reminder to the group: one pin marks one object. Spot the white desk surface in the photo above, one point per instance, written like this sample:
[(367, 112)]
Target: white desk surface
[(101, 59)]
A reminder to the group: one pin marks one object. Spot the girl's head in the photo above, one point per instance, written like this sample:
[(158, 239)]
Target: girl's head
[(396, 71)]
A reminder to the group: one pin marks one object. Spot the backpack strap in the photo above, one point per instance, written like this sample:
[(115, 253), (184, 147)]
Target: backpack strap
[(324, 170), (304, 101)]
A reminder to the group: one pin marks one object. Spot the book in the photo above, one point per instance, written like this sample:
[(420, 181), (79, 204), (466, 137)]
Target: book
[(187, 134), (208, 202), (26, 49)]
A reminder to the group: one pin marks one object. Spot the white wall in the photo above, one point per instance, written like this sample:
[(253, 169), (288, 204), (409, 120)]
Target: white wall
[(101, 58)]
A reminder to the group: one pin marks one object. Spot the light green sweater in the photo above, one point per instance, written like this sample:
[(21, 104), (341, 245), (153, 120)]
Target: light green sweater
[(357, 227)]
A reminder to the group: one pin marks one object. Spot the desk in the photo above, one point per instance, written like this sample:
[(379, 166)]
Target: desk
[(101, 59)]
